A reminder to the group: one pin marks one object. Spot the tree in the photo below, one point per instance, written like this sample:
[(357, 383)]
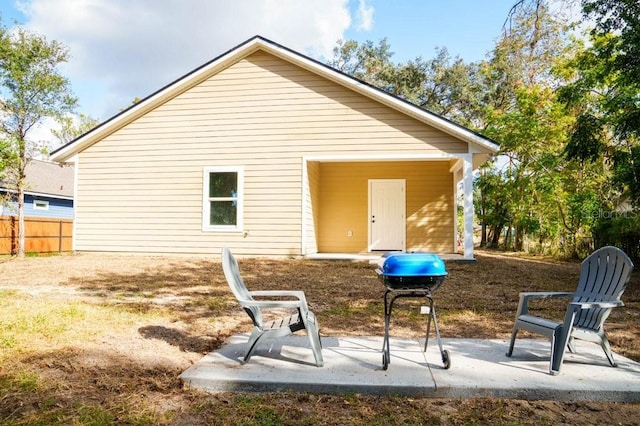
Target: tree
[(490, 200), (442, 85), (523, 113), (72, 127), (365, 61), (4, 151), (606, 93), (31, 89), (622, 19)]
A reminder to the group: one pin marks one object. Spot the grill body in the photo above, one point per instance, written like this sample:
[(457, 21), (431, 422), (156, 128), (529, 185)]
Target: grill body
[(408, 271)]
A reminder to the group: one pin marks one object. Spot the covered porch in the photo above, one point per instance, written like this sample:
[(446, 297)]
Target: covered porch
[(363, 207)]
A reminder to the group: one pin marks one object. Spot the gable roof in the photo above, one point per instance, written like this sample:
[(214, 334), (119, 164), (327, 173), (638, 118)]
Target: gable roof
[(481, 143), (46, 178)]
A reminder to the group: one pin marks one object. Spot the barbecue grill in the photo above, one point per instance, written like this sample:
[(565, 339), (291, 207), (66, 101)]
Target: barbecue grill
[(414, 275)]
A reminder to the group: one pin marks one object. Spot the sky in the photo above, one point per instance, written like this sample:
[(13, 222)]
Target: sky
[(126, 49)]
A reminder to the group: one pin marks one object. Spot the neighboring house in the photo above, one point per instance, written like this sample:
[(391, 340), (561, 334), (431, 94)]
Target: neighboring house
[(48, 192), (48, 210), (269, 152)]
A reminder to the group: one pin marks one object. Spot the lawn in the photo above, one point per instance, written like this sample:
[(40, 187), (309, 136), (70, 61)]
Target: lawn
[(100, 339)]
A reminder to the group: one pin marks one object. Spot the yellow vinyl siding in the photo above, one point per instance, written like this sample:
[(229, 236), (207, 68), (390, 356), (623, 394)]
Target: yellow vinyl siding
[(344, 204), (140, 188)]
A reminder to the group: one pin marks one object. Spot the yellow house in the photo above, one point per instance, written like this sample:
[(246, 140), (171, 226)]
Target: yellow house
[(269, 152)]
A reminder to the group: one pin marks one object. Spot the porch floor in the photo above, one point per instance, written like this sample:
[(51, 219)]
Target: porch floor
[(375, 257)]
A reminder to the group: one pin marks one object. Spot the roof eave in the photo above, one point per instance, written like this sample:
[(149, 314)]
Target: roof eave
[(193, 78), (44, 194)]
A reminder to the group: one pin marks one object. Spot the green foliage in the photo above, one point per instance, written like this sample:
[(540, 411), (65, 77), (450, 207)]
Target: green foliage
[(525, 115), (31, 84), (442, 85), (620, 17), (586, 140), (365, 61), (491, 205), (627, 171), (72, 127), (620, 229), (606, 93)]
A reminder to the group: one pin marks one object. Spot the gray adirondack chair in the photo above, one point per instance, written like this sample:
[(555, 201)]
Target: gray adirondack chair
[(603, 278), (303, 319)]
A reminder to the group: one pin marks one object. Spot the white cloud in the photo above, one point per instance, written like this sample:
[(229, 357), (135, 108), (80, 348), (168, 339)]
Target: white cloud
[(122, 49), (365, 16)]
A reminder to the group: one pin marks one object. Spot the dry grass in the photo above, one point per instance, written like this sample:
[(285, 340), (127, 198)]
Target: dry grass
[(88, 339)]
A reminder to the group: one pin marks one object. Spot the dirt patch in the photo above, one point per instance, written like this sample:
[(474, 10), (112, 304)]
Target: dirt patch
[(142, 320)]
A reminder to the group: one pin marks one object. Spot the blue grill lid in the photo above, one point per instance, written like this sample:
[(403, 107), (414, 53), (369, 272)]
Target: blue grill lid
[(413, 265)]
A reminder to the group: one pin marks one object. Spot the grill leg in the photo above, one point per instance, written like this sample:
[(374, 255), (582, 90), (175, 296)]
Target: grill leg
[(386, 352), (446, 360), (426, 339), (435, 323)]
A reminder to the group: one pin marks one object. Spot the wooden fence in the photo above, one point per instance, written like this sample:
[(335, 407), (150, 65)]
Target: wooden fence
[(42, 235)]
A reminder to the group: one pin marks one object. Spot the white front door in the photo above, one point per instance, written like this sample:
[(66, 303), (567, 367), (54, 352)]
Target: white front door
[(387, 214)]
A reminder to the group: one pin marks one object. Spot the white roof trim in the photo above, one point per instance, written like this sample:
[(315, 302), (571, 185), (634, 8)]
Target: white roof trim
[(258, 43), (42, 194), (38, 194)]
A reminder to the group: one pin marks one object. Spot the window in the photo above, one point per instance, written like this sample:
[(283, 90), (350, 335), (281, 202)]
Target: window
[(40, 205), (222, 199)]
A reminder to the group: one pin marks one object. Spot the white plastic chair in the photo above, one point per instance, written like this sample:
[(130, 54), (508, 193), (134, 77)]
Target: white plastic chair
[(303, 319)]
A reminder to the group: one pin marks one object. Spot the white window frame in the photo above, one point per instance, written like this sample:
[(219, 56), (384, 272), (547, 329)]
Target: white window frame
[(44, 204), (206, 206)]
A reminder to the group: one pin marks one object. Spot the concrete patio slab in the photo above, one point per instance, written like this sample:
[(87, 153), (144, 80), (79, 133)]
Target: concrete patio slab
[(350, 365), (479, 368)]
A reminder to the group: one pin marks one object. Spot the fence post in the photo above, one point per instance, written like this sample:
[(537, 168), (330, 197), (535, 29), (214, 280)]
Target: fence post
[(60, 236), (14, 236)]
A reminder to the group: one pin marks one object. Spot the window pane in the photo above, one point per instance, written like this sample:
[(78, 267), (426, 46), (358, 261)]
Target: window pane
[(40, 205), (222, 213), (223, 184)]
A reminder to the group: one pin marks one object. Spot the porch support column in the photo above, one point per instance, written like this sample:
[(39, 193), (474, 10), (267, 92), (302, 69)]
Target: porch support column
[(467, 182)]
